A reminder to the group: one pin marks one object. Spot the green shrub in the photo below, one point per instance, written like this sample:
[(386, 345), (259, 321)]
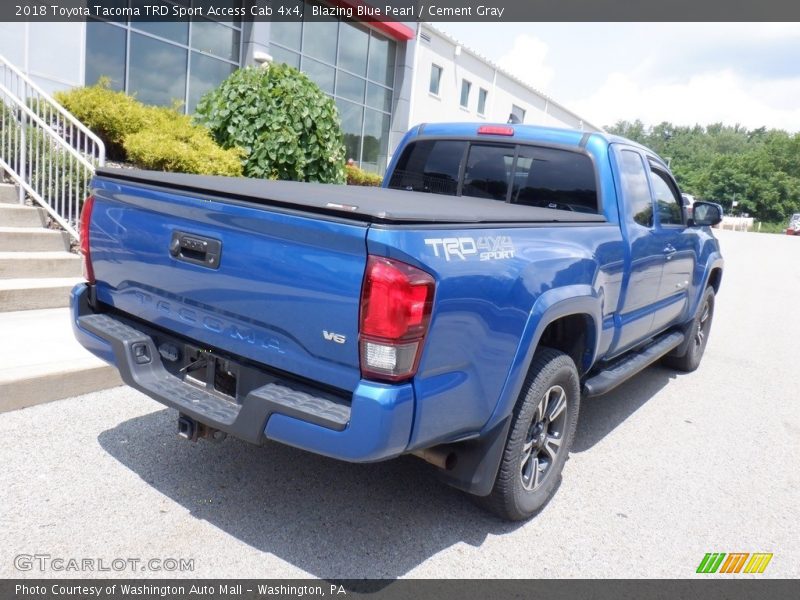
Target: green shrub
[(356, 176), (111, 115), (770, 227), (287, 127), (150, 137), (177, 146)]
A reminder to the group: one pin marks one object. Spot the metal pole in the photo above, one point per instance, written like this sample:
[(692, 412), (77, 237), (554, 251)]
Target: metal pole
[(22, 154)]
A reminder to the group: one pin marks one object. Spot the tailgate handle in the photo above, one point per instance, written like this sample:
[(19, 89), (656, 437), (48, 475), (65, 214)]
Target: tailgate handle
[(195, 249)]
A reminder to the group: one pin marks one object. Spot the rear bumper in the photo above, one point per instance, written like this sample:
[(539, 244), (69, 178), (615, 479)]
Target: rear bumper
[(376, 425)]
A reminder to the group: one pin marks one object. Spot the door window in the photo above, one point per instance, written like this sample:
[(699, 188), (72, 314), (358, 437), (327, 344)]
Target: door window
[(667, 200), (635, 189)]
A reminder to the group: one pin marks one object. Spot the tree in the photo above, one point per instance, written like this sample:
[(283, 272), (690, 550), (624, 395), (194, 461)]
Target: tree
[(760, 168)]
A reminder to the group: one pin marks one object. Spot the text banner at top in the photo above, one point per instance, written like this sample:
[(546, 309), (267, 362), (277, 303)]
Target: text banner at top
[(491, 11)]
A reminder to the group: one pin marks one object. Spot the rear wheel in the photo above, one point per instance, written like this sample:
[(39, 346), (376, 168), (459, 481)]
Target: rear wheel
[(539, 439), (700, 330)]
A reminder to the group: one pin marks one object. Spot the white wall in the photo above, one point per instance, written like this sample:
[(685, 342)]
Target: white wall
[(52, 54), (503, 89)]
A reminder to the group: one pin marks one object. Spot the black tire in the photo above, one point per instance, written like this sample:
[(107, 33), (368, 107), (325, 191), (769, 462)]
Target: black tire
[(700, 330), (523, 486)]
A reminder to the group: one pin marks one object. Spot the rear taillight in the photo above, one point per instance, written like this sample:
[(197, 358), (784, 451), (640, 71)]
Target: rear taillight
[(396, 302), (86, 217)]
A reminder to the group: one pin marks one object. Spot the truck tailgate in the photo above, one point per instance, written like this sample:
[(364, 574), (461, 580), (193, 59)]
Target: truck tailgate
[(282, 289)]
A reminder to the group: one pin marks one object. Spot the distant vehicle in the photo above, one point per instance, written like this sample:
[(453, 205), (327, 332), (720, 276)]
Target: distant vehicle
[(794, 225)]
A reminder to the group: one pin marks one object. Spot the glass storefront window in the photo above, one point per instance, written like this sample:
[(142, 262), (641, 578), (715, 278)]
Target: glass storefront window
[(106, 45), (320, 73), (215, 38), (352, 116), (282, 55), (319, 39), (376, 140), (157, 71), (175, 31), (164, 62), (356, 66), (205, 73), (349, 87), (379, 97), (287, 34), (353, 45), (381, 60)]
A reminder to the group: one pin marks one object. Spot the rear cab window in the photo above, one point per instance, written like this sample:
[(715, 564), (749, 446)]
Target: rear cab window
[(516, 173)]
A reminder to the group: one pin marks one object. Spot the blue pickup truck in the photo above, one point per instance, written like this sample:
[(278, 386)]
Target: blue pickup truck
[(460, 313)]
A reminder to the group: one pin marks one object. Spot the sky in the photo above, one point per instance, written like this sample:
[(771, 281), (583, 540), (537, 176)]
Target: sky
[(685, 73)]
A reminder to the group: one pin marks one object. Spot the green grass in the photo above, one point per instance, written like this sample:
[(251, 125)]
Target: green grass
[(767, 227)]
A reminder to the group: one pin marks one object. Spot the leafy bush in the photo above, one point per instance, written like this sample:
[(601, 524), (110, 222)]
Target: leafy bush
[(110, 115), (356, 176), (150, 137), (177, 146), (767, 227), (287, 127)]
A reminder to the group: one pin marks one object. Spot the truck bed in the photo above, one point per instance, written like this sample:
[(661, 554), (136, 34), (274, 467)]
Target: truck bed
[(370, 204)]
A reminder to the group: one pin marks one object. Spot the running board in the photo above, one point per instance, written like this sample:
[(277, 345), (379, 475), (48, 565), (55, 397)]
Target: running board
[(631, 364)]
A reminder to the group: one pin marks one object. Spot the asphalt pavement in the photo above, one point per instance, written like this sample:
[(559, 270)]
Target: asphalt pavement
[(665, 469)]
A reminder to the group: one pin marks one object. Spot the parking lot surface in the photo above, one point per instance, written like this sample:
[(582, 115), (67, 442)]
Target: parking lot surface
[(665, 469)]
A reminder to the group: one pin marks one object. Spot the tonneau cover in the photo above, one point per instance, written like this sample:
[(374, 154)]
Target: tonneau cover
[(370, 203)]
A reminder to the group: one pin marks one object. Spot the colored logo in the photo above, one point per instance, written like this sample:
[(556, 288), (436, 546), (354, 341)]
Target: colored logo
[(735, 562)]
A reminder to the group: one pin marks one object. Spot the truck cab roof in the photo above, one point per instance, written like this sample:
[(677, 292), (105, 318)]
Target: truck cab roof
[(524, 133)]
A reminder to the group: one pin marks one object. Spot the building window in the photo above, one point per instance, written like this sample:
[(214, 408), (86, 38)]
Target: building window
[(105, 54), (163, 85), (518, 113), (355, 66), (466, 86), (482, 94), (163, 62), (436, 78)]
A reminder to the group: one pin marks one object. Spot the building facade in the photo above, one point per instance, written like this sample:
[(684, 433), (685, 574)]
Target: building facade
[(384, 77)]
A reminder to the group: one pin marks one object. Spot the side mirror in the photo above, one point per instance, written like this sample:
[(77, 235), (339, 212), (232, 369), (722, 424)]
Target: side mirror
[(706, 214)]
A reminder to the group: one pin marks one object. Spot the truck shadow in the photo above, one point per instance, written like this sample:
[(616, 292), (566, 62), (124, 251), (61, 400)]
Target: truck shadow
[(600, 416), (329, 518)]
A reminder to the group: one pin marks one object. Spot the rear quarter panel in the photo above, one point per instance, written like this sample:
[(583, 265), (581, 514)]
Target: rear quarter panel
[(486, 309), (488, 314)]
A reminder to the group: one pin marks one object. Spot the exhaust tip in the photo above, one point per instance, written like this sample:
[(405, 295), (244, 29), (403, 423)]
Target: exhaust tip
[(450, 461), (443, 459)]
